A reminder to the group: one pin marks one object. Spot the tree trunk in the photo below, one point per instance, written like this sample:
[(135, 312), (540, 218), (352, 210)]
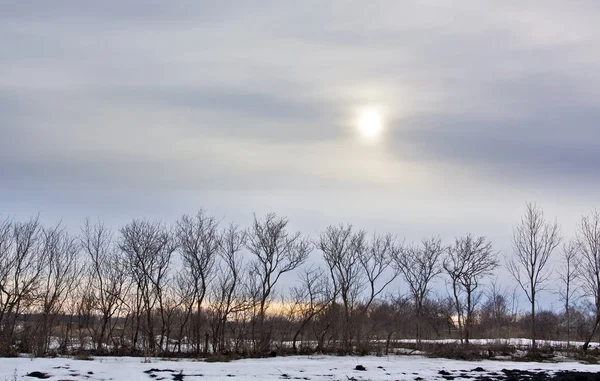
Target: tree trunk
[(587, 341), (458, 311), (533, 343), (469, 319)]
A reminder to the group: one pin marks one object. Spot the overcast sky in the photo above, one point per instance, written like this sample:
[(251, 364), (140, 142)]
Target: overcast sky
[(122, 109)]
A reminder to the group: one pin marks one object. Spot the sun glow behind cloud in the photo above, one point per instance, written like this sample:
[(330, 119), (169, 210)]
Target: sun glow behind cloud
[(370, 123)]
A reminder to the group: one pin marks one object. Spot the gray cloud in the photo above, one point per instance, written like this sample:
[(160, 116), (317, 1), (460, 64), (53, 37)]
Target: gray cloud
[(240, 106)]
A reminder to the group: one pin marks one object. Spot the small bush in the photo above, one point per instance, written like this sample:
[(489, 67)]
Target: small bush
[(9, 351), (83, 357), (456, 352), (220, 358), (501, 349), (591, 356), (540, 354), (363, 350)]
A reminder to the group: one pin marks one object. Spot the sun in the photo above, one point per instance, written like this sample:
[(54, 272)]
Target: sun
[(370, 123)]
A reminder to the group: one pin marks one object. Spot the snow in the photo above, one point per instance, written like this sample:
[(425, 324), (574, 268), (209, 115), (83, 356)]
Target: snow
[(518, 342), (294, 367), (515, 341)]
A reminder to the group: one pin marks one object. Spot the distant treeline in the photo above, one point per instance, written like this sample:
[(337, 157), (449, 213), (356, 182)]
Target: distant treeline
[(200, 286)]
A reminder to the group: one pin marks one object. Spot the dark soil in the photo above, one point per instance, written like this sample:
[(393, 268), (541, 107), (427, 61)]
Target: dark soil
[(37, 374), (480, 374)]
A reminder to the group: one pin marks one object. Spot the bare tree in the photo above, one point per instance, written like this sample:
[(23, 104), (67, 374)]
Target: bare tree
[(199, 242), (588, 240), (342, 250), (276, 252), (22, 262), (148, 248), (420, 265), (377, 261), (455, 268), (468, 262), (107, 279), (378, 264), (60, 278), (185, 291), (534, 241), (227, 296), (568, 274), (309, 298), (175, 305), (496, 313)]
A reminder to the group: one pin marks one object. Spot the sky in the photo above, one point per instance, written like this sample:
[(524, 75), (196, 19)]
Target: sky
[(128, 109)]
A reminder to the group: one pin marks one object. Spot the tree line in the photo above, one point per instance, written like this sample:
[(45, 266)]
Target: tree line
[(199, 286)]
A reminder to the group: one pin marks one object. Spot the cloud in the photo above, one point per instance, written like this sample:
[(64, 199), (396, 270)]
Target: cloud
[(257, 100)]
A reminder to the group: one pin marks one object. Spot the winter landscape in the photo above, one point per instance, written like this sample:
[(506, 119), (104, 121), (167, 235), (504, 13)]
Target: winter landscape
[(299, 190)]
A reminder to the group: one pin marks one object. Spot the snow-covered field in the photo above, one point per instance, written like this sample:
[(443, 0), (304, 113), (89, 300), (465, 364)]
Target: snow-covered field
[(295, 368), (515, 341)]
